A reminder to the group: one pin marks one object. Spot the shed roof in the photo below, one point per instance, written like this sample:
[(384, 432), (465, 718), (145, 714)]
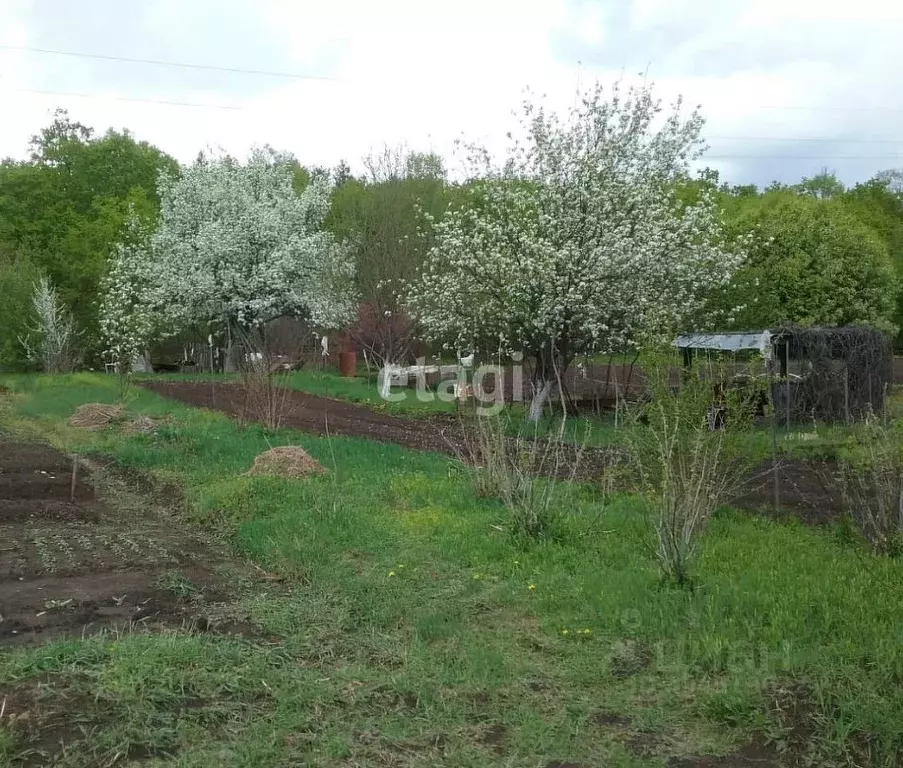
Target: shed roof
[(727, 342)]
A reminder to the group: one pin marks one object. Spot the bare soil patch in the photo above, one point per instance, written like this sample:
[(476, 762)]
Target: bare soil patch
[(74, 567), (754, 755), (43, 486), (320, 415), (806, 491), (18, 510)]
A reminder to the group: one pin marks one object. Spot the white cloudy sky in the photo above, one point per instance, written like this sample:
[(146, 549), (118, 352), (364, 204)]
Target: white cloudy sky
[(788, 86)]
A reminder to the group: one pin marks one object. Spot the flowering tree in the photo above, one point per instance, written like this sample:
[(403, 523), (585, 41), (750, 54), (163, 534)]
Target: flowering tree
[(577, 242), (127, 318), (237, 246)]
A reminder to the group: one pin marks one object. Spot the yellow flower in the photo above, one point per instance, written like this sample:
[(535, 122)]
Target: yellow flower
[(401, 566), (517, 562), (391, 573), (476, 576), (587, 631), (564, 631), (532, 587)]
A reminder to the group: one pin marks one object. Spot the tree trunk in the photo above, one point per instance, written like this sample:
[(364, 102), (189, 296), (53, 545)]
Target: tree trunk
[(142, 364), (541, 392), (229, 365)]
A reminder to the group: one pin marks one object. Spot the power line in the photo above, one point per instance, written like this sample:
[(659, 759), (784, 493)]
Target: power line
[(125, 98), (161, 63), (824, 158), (827, 109), (840, 140)]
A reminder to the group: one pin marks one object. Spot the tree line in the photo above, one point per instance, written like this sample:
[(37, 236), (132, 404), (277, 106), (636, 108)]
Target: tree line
[(545, 240)]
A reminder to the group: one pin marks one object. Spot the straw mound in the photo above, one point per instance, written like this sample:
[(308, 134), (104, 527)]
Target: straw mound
[(143, 425), (94, 415), (286, 461)]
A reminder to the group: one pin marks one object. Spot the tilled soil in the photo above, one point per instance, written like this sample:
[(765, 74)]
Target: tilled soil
[(321, 415), (70, 564), (803, 493)]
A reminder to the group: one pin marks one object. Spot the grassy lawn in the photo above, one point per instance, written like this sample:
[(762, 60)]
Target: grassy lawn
[(413, 630)]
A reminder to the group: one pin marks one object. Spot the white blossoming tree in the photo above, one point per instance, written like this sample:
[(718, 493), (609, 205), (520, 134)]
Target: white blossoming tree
[(236, 246), (127, 319), (576, 243)]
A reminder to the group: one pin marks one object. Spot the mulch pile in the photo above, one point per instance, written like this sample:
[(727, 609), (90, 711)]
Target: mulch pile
[(143, 425), (95, 415), (286, 461)]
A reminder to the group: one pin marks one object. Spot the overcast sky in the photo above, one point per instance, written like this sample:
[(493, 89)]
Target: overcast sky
[(787, 86)]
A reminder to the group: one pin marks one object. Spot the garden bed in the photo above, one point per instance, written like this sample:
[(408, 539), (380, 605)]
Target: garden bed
[(70, 564)]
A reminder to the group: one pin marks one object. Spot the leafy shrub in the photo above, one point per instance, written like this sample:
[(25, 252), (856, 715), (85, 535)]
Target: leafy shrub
[(686, 443), (525, 472)]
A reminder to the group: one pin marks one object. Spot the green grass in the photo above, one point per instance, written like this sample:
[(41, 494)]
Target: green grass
[(408, 630)]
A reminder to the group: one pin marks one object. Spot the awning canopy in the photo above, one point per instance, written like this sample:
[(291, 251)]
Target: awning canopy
[(727, 342)]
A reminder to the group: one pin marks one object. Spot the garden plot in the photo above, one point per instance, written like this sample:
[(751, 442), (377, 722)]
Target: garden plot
[(805, 491), (71, 564)]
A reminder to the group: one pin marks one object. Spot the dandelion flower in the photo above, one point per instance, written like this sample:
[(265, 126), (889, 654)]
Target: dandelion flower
[(532, 587), (564, 631), (391, 574)]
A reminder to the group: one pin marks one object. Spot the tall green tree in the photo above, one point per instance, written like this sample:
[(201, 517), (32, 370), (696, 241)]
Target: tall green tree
[(812, 261), (18, 276), (65, 205), (878, 203), (383, 221)]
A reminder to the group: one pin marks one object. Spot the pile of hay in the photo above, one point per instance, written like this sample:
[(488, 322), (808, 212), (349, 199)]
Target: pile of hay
[(95, 415), (143, 425), (286, 461)]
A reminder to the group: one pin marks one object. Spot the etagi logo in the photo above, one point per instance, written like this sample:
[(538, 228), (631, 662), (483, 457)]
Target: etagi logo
[(485, 384)]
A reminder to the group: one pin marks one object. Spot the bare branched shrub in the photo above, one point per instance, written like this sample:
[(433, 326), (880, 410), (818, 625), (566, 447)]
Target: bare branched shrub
[(384, 332), (51, 340), (527, 473), (871, 482), (264, 379), (686, 446)]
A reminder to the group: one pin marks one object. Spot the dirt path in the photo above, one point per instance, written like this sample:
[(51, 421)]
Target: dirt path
[(803, 492), (72, 564), (322, 415)]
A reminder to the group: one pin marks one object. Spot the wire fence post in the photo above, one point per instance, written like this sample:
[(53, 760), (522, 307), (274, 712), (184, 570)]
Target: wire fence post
[(776, 483), (846, 393), (787, 394)]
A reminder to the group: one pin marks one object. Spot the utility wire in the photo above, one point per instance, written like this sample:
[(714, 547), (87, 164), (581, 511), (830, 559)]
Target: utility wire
[(828, 109), (300, 76), (837, 139), (125, 98), (802, 157), (161, 63)]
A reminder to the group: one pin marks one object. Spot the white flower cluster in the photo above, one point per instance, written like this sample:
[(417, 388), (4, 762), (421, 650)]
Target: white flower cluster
[(127, 319), (235, 245), (576, 243)]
